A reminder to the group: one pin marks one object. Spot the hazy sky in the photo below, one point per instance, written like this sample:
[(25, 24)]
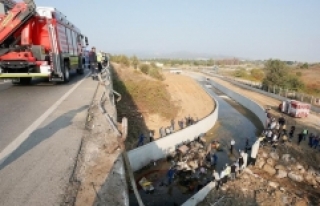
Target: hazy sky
[(256, 29)]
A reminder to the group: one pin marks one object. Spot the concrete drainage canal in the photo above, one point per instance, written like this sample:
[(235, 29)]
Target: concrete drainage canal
[(191, 173)]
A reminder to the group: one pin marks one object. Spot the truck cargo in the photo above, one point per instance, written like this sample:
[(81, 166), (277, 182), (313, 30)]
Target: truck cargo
[(39, 42), (295, 108)]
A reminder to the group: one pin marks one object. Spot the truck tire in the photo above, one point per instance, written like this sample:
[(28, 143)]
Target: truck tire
[(23, 81), (66, 72), (80, 71)]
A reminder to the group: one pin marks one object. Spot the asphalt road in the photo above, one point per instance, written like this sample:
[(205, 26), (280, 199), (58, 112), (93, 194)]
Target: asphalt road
[(46, 131)]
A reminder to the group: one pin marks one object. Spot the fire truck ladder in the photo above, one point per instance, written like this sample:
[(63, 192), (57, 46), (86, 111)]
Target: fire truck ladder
[(56, 63), (15, 18)]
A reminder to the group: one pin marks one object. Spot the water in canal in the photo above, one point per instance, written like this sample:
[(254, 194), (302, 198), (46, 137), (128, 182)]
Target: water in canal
[(234, 122)]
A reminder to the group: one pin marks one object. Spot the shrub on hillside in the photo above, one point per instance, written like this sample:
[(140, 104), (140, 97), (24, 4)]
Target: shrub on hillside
[(144, 68), (156, 73)]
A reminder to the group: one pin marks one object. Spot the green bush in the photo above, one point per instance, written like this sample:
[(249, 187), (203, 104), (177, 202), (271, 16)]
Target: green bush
[(277, 73), (144, 68), (156, 73), (240, 73)]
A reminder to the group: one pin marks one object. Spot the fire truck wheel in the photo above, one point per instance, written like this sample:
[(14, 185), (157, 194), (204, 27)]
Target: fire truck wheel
[(25, 80), (66, 72), (80, 71)]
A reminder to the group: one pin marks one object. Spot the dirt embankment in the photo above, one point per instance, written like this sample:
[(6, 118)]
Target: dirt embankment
[(150, 104)]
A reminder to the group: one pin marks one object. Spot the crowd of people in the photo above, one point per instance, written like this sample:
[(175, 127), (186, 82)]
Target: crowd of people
[(165, 131), (276, 132)]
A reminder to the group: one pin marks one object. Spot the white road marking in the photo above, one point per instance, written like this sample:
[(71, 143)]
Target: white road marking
[(5, 153)]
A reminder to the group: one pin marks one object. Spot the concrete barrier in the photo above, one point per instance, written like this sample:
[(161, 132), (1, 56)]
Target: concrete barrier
[(258, 110), (199, 196), (158, 149)]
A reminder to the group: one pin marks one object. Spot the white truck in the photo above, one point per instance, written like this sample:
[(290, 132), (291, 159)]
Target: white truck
[(295, 108)]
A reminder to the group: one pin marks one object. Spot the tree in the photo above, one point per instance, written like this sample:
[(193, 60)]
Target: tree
[(278, 74), (240, 72), (258, 74), (305, 66), (135, 62)]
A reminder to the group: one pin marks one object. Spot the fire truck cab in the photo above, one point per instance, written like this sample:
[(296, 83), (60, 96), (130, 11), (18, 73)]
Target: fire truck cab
[(39, 42)]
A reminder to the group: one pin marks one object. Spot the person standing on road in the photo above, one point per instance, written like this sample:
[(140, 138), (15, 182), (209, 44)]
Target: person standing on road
[(93, 63), (99, 60)]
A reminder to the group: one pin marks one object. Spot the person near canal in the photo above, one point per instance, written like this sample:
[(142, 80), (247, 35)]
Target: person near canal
[(233, 171), (172, 124), (216, 179), (228, 171), (170, 175), (305, 133), (151, 136), (240, 162), (225, 175), (222, 174), (93, 63), (214, 160), (232, 143), (141, 140), (315, 142), (291, 133), (311, 137), (300, 137)]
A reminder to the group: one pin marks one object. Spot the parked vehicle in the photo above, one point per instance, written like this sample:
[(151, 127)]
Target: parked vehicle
[(39, 42), (295, 108)]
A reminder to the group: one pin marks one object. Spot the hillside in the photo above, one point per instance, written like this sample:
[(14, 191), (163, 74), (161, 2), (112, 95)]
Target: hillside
[(150, 104)]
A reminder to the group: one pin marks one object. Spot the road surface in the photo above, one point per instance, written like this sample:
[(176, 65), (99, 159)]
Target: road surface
[(41, 128)]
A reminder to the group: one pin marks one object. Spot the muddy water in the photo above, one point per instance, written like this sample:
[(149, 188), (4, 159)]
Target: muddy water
[(234, 122)]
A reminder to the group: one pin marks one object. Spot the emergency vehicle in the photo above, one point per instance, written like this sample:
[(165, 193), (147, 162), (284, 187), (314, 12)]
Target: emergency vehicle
[(39, 42), (295, 108)]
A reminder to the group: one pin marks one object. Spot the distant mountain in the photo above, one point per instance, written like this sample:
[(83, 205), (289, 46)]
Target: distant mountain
[(175, 55), (182, 55)]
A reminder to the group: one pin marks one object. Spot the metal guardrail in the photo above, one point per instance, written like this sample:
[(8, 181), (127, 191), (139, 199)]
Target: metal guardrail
[(105, 80)]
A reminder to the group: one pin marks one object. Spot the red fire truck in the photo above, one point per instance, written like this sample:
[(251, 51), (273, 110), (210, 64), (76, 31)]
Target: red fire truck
[(39, 42), (295, 108)]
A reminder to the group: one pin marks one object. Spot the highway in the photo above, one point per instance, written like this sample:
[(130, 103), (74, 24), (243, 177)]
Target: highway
[(41, 126)]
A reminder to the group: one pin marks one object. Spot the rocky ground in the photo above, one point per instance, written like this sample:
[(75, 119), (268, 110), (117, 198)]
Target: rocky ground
[(276, 179)]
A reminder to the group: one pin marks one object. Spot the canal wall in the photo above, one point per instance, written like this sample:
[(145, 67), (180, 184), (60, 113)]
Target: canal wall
[(160, 148), (258, 110)]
